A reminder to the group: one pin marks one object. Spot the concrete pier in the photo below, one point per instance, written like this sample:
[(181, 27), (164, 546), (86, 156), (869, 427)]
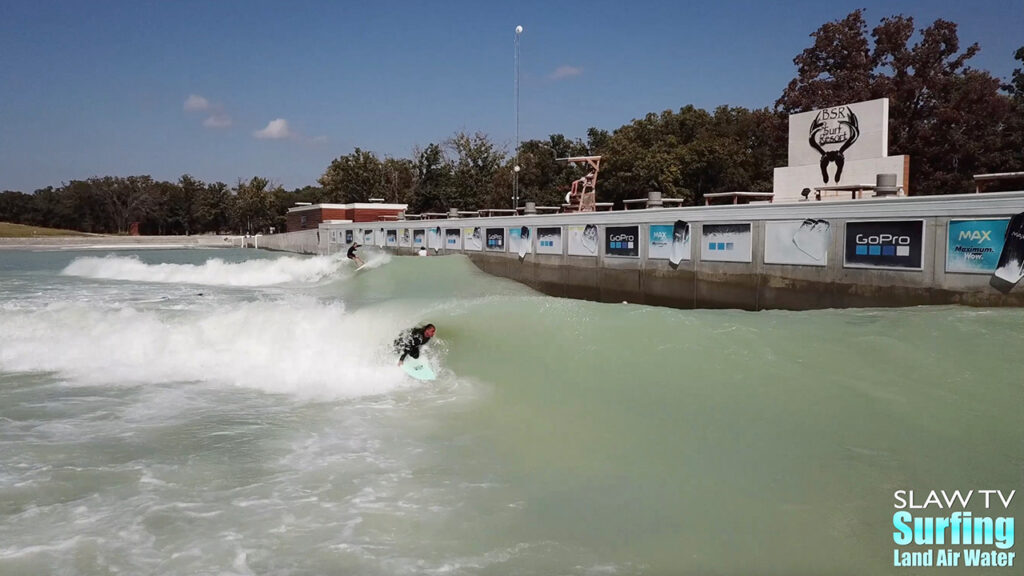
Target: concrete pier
[(745, 271)]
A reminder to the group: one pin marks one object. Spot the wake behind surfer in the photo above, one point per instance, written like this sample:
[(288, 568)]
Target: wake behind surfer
[(409, 341)]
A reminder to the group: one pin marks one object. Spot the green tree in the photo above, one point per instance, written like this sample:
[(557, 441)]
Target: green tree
[(15, 207), (126, 200), (214, 206), (355, 177), (949, 118), (254, 208), (433, 190), (399, 180), (182, 205), (475, 168)]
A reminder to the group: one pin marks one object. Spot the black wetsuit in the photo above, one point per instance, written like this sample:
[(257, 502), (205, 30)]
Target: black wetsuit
[(408, 344), (352, 251)]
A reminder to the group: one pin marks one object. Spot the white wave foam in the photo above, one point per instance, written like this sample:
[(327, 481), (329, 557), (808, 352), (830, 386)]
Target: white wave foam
[(213, 272), (377, 259), (304, 347)]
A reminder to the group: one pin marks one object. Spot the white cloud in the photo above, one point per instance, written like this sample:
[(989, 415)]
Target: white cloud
[(565, 72), (195, 103), (275, 130), (217, 121)]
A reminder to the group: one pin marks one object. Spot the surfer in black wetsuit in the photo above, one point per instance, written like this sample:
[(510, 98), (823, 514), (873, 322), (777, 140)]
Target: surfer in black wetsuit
[(352, 254), (409, 342)]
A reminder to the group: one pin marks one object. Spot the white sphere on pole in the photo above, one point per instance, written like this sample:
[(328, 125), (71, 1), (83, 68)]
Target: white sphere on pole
[(519, 29)]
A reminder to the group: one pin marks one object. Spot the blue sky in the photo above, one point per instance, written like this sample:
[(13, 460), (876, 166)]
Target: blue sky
[(230, 89)]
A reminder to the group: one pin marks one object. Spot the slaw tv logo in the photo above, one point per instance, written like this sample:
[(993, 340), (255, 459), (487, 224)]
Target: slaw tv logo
[(884, 244)]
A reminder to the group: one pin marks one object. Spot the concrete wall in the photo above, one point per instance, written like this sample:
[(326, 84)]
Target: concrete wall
[(302, 242), (753, 285)]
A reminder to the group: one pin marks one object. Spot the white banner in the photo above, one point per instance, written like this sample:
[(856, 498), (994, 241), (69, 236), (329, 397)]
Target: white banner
[(583, 240), (797, 242)]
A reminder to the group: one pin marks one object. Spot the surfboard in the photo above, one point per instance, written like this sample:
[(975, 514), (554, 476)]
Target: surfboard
[(418, 368), (360, 268)]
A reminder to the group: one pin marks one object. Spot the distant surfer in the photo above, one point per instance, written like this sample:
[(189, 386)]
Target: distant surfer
[(352, 254), (409, 341)]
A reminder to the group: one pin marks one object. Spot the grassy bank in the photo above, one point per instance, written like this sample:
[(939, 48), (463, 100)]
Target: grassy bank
[(8, 230)]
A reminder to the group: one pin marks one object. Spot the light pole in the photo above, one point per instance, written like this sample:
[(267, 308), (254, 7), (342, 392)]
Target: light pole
[(515, 169)]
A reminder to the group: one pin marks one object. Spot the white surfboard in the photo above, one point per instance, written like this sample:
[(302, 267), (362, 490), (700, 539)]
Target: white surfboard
[(418, 368)]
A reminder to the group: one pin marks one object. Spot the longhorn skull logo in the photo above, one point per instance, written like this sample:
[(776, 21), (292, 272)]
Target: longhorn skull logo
[(845, 118)]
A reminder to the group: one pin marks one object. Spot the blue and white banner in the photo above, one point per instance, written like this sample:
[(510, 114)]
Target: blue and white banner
[(434, 238), (473, 238), (392, 238), (417, 238), (496, 239), (404, 237), (725, 242), (368, 237), (519, 241), (549, 240), (453, 239), (669, 242), (895, 244), (973, 246), (622, 241)]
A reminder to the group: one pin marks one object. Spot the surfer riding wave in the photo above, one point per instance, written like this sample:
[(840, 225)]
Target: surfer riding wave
[(409, 342)]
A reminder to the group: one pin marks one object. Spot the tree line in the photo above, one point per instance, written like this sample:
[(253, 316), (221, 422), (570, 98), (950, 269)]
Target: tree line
[(953, 120)]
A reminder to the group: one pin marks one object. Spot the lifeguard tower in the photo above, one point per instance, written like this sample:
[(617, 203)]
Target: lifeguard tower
[(582, 197)]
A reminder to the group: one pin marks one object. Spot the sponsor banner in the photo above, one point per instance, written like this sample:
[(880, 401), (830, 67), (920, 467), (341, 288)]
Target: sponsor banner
[(519, 241), (404, 237), (797, 242), (434, 238), (368, 237), (622, 241), (334, 237), (884, 244), (496, 239), (669, 242), (417, 238), (830, 137), (453, 239), (381, 241), (473, 239), (725, 242), (1010, 268), (392, 237), (659, 241), (973, 246), (680, 242), (583, 240), (549, 240), (348, 236)]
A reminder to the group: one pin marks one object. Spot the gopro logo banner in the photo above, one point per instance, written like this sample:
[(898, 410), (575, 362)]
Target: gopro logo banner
[(884, 244), (621, 241)]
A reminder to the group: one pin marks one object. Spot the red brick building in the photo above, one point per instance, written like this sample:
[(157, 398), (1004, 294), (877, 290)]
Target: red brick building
[(307, 217)]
